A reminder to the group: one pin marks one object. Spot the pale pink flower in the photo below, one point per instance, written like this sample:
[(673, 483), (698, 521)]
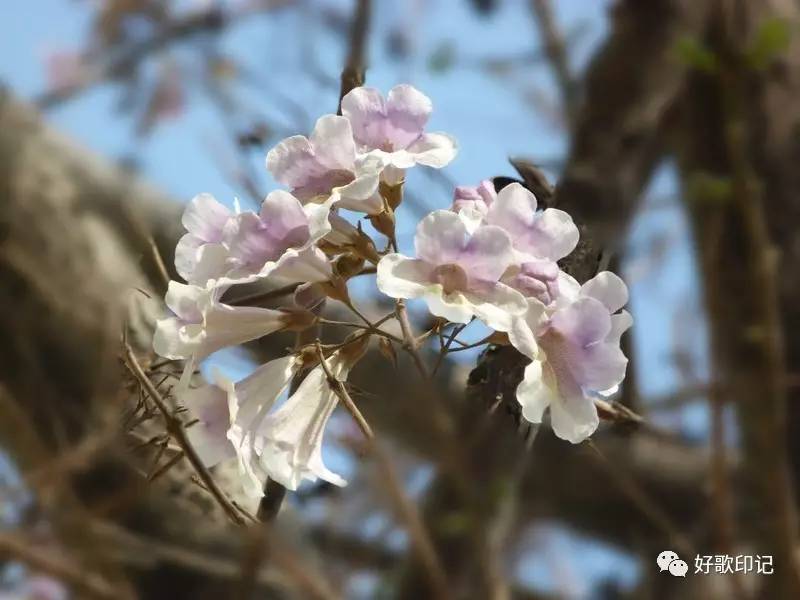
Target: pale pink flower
[(574, 346), (327, 165), (204, 219), (478, 198), (202, 324), (548, 234), (393, 129), (279, 241), (457, 272)]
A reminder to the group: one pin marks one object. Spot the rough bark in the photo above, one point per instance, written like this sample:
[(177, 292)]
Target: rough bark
[(740, 130)]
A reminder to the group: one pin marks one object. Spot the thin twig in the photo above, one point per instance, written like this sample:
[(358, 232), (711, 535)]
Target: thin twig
[(410, 344), (555, 49), (468, 346), (643, 502), (280, 292), (88, 584), (159, 261), (341, 391), (109, 64), (446, 347), (721, 509), (371, 329), (406, 510), (176, 429)]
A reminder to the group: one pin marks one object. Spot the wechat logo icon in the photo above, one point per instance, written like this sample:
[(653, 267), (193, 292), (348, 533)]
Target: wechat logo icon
[(670, 561)]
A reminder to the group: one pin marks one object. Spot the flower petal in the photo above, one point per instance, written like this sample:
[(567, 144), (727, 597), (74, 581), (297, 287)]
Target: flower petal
[(205, 217), (549, 234), (307, 265), (574, 418), (318, 219), (487, 254), (533, 395), (212, 264), (365, 109), (332, 141), (608, 288), (522, 333), (208, 404), (186, 255), (497, 305), (258, 393), (293, 434), (435, 150), (620, 323), (454, 307), (167, 341), (291, 161), (407, 112), (184, 300), (440, 238), (284, 219), (402, 277), (601, 368), (232, 325), (584, 322)]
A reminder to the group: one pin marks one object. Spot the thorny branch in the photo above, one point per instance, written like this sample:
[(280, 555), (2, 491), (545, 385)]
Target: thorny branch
[(176, 429)]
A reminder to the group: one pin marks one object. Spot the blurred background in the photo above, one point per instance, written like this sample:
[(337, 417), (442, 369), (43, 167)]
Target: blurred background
[(670, 129)]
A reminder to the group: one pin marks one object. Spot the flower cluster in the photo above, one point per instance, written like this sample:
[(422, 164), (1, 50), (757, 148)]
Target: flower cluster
[(492, 256)]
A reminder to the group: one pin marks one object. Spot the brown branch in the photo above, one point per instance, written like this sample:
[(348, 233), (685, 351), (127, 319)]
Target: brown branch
[(652, 511), (341, 391), (410, 345), (405, 508), (112, 62), (353, 74), (176, 429), (555, 49), (76, 576)]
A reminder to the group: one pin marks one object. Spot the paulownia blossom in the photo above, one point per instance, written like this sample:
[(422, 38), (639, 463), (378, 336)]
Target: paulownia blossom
[(574, 347), (549, 234), (228, 416), (475, 201), (211, 416), (292, 435), (284, 444), (250, 402), (492, 256), (202, 324), (327, 165), (204, 220), (393, 129), (457, 271), (279, 241)]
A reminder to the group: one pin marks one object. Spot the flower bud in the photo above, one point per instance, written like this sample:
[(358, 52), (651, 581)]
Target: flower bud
[(384, 222), (387, 350), (347, 265), (392, 193), (298, 319), (336, 288)]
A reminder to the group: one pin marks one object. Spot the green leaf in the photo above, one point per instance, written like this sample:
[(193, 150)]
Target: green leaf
[(771, 40), (694, 54)]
